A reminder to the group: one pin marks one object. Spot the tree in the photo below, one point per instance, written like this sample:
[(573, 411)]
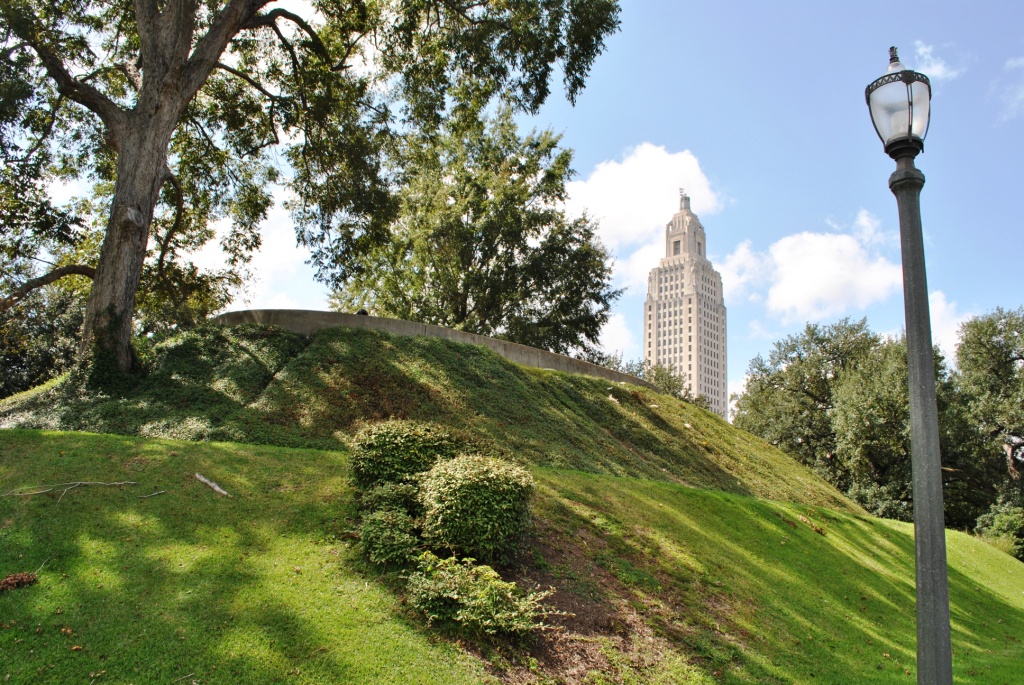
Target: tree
[(871, 421), (665, 379), (482, 243), (185, 112), (990, 355), (788, 398)]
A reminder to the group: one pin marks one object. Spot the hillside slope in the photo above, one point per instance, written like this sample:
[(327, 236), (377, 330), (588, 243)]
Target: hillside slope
[(263, 385), (668, 584)]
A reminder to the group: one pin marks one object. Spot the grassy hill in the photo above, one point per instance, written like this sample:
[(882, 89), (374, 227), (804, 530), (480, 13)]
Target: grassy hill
[(687, 551), (257, 384)]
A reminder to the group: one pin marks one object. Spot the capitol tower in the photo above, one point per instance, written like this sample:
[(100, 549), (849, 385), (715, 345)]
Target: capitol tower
[(684, 315)]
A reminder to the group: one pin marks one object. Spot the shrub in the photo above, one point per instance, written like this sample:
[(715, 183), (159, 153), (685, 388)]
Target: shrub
[(477, 506), (474, 599), (391, 451), (402, 496), (387, 537), (1003, 525)]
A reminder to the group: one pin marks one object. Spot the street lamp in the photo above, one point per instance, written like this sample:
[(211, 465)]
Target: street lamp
[(899, 103)]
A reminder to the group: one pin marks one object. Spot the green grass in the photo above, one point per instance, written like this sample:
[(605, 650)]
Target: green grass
[(257, 384), (256, 588), (727, 581), (686, 546)]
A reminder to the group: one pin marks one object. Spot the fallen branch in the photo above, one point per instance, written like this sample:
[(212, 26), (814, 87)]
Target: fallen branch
[(152, 494), (216, 488), (40, 489)]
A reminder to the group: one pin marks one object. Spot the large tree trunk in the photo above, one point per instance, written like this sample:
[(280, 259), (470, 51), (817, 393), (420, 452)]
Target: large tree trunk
[(141, 171)]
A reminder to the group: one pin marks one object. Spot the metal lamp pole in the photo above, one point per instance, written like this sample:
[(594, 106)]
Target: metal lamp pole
[(896, 101)]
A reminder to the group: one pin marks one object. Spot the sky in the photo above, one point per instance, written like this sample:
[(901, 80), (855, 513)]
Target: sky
[(757, 110)]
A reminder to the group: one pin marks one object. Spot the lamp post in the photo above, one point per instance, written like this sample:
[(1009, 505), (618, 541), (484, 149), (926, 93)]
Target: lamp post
[(899, 103)]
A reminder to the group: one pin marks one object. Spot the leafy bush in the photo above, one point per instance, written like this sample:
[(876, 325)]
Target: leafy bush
[(388, 538), (474, 599), (391, 451), (401, 496), (1003, 525), (476, 505)]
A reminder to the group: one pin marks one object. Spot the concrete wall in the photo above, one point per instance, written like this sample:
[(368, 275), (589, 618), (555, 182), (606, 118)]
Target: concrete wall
[(309, 322)]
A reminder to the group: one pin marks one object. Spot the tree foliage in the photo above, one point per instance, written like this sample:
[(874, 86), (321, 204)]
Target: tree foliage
[(836, 397), (788, 397), (991, 360), (482, 243), (666, 379), (181, 114)]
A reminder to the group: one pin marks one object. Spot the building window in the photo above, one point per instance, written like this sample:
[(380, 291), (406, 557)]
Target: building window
[(675, 247)]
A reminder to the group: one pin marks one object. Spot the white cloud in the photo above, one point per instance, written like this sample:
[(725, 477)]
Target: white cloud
[(741, 269), (633, 270), (934, 67), (812, 276), (1012, 94), (617, 338), (946, 320), (634, 198), (280, 277), (735, 388), (818, 275), (62, 192)]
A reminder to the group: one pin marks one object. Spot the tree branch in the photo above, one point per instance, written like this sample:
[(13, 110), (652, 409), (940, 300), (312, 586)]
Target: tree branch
[(271, 17), (60, 272), (82, 93), (248, 79), (211, 46)]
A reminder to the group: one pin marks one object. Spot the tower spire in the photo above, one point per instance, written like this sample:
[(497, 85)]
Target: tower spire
[(684, 199)]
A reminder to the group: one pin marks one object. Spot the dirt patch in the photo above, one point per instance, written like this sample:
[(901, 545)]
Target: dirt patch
[(599, 630)]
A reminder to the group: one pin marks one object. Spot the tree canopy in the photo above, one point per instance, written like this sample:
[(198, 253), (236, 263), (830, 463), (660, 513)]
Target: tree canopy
[(180, 114), (836, 398), (991, 359), (482, 243)]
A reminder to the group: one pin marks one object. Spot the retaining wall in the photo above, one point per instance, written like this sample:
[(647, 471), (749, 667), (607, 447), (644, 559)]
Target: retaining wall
[(308, 322)]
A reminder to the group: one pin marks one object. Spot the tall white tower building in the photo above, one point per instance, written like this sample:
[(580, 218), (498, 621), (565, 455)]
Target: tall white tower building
[(684, 315)]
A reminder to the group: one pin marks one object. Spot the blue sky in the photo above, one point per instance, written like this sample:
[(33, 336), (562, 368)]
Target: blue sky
[(758, 110)]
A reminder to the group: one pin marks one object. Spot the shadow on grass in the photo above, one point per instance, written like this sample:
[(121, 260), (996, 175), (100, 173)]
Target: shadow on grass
[(252, 588)]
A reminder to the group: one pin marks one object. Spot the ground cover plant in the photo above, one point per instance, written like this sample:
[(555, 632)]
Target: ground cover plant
[(258, 384)]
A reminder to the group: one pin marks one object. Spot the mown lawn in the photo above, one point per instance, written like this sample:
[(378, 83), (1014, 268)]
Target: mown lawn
[(190, 585), (754, 593), (263, 587)]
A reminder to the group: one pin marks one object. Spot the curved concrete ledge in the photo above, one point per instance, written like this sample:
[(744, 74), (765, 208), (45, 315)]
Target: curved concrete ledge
[(307, 322)]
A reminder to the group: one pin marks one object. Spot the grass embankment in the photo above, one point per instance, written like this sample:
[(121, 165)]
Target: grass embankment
[(257, 384), (670, 584)]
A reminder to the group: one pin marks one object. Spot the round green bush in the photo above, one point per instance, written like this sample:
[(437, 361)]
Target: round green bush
[(1003, 525), (476, 506), (391, 451), (402, 496), (388, 538)]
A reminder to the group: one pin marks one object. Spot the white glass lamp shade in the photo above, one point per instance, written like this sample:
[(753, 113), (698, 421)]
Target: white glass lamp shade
[(899, 103)]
